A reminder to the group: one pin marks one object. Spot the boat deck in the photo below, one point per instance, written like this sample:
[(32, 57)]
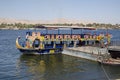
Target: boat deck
[(90, 49), (111, 61), (92, 53), (114, 48)]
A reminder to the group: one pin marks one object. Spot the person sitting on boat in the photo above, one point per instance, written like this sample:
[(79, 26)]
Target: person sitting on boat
[(109, 36)]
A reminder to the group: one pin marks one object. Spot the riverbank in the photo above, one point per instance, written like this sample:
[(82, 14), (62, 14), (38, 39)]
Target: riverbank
[(54, 27)]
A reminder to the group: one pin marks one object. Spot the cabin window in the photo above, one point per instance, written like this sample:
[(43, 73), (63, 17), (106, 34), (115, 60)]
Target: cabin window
[(36, 43)]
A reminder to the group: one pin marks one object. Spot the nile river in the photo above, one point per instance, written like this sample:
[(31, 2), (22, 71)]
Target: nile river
[(15, 66)]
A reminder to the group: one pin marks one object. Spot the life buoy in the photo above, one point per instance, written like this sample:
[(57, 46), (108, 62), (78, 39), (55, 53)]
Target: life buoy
[(98, 38), (59, 37), (86, 37), (47, 37), (74, 37)]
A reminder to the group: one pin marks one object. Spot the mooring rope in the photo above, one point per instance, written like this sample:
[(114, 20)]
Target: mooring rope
[(105, 72)]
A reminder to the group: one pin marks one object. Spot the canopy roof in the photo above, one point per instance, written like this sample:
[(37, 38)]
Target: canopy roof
[(70, 27)]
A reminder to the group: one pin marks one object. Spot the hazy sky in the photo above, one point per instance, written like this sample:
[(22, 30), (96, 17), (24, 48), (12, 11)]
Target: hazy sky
[(107, 11)]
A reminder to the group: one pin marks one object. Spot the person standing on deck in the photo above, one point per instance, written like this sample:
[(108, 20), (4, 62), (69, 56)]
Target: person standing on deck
[(102, 39)]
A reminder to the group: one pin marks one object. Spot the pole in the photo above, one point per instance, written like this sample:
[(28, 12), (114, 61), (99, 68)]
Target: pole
[(46, 31), (71, 33), (58, 31)]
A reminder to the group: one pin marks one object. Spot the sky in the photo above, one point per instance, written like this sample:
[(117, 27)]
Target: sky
[(103, 11)]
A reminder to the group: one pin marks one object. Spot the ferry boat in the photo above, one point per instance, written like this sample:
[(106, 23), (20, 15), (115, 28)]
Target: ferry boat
[(38, 43)]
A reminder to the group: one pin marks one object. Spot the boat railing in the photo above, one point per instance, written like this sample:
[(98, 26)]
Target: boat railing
[(115, 43), (22, 41)]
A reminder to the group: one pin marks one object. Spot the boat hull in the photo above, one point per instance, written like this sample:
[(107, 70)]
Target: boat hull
[(114, 53), (40, 51)]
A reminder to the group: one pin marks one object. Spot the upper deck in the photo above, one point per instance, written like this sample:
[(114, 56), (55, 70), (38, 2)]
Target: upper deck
[(65, 33)]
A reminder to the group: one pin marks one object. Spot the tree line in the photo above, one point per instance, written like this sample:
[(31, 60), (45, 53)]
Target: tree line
[(24, 26)]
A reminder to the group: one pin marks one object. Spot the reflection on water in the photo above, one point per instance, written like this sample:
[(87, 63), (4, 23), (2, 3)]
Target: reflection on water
[(48, 67), (113, 71), (41, 63), (58, 67)]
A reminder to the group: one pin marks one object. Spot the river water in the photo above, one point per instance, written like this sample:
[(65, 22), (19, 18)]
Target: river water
[(15, 66)]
